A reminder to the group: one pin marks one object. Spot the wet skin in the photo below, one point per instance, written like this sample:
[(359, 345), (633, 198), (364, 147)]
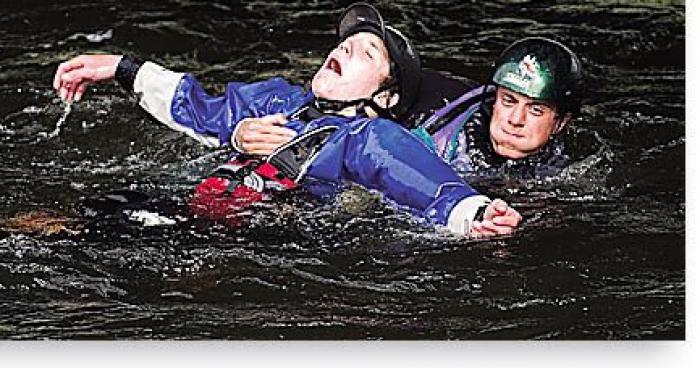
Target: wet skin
[(354, 69), (520, 125)]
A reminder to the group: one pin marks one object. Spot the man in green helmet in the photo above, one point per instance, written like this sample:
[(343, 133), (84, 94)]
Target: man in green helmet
[(514, 121), (539, 83)]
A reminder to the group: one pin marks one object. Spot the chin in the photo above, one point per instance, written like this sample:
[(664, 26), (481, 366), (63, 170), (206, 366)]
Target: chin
[(508, 152), (514, 155), (505, 147), (321, 85)]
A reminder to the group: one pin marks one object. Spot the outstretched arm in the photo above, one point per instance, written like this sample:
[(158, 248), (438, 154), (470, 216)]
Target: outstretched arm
[(177, 99), (380, 155)]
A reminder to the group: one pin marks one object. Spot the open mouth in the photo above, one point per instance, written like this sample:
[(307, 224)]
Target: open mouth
[(334, 65)]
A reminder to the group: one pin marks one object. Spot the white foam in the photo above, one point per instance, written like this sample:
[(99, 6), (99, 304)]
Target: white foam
[(59, 123), (147, 218)]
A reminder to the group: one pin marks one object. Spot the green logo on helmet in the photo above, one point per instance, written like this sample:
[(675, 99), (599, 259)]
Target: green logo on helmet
[(527, 77)]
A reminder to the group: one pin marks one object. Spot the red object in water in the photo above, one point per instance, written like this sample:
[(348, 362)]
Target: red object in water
[(214, 199)]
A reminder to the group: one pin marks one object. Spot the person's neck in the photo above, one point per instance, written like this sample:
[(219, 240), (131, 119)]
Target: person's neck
[(350, 111), (341, 108)]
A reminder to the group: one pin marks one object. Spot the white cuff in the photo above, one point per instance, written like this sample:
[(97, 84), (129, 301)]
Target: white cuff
[(156, 86), (463, 213)]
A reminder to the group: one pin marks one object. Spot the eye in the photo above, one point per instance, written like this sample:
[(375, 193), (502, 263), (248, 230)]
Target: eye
[(369, 54), (538, 110), (507, 101)]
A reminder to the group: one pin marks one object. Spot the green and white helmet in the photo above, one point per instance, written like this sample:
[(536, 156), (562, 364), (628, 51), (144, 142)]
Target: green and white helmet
[(542, 69)]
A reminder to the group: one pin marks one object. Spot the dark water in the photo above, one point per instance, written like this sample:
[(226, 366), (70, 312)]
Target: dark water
[(601, 254)]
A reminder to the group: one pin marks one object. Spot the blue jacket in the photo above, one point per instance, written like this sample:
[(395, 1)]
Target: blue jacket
[(375, 153)]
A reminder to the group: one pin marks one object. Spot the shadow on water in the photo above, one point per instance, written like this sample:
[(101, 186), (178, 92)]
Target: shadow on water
[(601, 254)]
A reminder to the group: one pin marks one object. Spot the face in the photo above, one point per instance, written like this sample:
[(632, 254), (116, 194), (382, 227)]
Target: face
[(520, 125), (353, 70)]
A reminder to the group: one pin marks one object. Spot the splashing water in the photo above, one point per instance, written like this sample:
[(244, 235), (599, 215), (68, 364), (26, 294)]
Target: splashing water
[(59, 123), (600, 254)]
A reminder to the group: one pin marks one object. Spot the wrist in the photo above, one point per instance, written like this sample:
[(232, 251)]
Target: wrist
[(464, 213), (126, 71)]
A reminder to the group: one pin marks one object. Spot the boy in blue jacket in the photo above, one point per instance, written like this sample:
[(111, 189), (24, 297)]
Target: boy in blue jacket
[(370, 78)]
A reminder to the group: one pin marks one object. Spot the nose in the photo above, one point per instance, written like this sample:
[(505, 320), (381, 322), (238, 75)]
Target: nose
[(345, 46), (517, 115)]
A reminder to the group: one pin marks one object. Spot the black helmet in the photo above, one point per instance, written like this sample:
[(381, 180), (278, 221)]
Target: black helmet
[(542, 69), (405, 62)]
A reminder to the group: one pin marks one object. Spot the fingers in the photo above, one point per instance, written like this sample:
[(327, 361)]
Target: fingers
[(66, 91), (64, 68), (78, 75), (498, 229), (278, 119), (74, 76), (70, 82), (479, 231), (80, 91), (500, 205), (274, 119), (495, 208), (499, 219), (261, 147), (68, 78), (69, 93), (264, 149), (510, 221), (263, 135), (272, 130), (252, 137), (513, 213), (488, 228)]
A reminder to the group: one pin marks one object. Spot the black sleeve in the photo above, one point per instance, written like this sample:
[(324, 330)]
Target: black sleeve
[(126, 73)]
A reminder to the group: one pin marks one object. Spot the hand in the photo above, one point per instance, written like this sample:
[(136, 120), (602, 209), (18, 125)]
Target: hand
[(499, 219), (75, 75), (261, 136)]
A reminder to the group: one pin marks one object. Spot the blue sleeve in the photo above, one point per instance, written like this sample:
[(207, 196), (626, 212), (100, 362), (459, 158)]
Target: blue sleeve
[(380, 155), (216, 116)]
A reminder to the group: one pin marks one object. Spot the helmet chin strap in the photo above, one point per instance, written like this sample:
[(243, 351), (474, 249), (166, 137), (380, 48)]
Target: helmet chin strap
[(324, 106), (384, 112)]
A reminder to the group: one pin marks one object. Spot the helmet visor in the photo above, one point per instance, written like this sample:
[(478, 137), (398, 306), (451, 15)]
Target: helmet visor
[(360, 17)]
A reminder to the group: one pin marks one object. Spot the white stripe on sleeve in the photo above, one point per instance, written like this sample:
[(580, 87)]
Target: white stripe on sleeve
[(156, 87)]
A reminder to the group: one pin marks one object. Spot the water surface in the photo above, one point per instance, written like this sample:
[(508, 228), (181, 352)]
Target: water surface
[(601, 254)]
